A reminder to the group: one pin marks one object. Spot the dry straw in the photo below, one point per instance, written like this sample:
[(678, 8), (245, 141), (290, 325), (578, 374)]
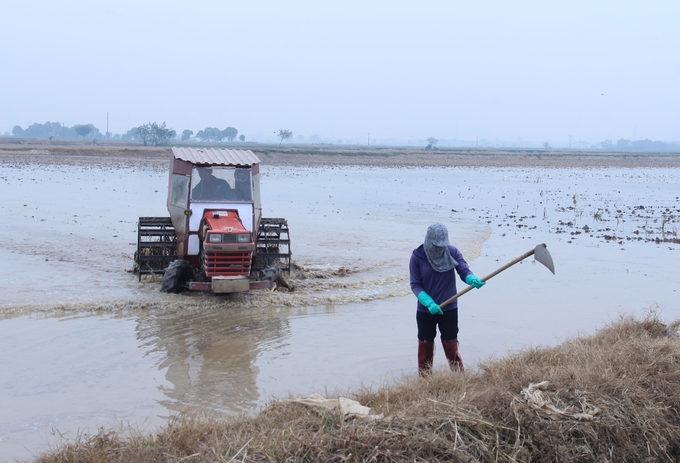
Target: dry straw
[(617, 394)]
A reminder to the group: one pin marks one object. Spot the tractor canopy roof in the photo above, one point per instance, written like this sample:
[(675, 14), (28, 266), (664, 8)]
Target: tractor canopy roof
[(216, 157)]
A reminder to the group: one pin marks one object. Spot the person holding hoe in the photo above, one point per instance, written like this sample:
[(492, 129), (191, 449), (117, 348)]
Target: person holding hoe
[(433, 269)]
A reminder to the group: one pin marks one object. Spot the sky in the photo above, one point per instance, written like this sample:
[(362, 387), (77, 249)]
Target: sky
[(497, 70)]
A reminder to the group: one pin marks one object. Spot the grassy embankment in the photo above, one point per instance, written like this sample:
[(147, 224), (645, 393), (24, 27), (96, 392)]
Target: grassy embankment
[(624, 380)]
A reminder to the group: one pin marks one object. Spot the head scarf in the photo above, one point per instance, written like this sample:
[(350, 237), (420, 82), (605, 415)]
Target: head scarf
[(436, 247)]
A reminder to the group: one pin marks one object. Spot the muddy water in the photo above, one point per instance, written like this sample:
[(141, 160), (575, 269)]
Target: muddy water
[(84, 344)]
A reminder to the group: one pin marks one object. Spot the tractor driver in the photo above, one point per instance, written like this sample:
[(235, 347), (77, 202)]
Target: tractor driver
[(211, 188)]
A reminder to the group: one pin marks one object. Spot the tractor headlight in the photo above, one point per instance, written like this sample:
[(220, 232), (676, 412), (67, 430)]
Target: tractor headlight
[(244, 238), (215, 238)]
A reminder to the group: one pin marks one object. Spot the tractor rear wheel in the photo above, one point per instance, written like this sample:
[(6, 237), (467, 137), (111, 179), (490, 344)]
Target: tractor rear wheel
[(156, 245), (176, 276), (273, 245)]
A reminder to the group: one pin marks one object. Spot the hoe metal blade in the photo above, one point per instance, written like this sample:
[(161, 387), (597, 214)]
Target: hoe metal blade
[(542, 255)]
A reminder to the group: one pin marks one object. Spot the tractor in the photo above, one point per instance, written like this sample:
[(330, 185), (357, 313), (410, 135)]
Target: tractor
[(215, 239)]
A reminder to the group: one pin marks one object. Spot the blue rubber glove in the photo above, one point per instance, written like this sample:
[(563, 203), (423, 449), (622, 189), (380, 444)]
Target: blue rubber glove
[(474, 281), (428, 302)]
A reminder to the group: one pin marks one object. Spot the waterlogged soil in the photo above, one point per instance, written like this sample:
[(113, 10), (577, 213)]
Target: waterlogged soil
[(85, 344)]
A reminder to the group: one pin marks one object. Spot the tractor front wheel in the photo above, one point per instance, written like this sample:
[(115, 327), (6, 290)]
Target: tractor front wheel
[(176, 276)]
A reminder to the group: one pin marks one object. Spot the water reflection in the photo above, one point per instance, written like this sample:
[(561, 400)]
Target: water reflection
[(232, 360), (209, 355)]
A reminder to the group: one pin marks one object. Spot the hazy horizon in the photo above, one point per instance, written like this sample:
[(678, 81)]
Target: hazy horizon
[(399, 71)]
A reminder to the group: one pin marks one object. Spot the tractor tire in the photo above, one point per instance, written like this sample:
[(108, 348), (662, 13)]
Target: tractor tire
[(176, 276)]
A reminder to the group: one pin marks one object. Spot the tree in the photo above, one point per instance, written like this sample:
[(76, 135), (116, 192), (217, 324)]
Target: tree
[(83, 130), (242, 137), (154, 134), (143, 133), (130, 134), (284, 134), (546, 145), (186, 134), (230, 133), (431, 141), (210, 134), (160, 134), (17, 131), (623, 144)]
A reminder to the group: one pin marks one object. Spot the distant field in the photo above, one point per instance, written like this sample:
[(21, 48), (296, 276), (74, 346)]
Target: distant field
[(25, 150)]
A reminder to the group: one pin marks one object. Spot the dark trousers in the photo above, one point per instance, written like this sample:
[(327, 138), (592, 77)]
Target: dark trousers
[(427, 325)]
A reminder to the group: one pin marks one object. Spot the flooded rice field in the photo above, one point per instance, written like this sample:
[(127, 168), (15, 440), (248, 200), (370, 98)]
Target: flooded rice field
[(84, 344)]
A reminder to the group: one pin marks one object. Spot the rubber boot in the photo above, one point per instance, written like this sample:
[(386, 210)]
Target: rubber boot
[(425, 357), (452, 354)]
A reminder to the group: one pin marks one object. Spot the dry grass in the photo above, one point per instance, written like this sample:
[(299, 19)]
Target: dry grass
[(629, 371)]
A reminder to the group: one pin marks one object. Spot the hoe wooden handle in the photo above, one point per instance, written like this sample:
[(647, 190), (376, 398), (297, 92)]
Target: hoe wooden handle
[(489, 276)]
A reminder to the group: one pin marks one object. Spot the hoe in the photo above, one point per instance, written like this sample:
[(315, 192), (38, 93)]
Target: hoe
[(541, 255)]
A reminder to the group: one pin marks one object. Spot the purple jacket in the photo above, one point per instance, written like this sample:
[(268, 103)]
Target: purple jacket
[(440, 286)]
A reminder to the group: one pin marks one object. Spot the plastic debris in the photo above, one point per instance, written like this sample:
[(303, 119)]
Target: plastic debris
[(537, 400), (347, 407)]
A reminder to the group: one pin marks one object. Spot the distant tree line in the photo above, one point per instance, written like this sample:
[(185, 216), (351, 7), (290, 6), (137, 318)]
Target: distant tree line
[(151, 133), (623, 144), (57, 130), (158, 134)]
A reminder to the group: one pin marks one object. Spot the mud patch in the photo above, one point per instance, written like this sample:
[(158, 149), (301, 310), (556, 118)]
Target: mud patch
[(302, 272)]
